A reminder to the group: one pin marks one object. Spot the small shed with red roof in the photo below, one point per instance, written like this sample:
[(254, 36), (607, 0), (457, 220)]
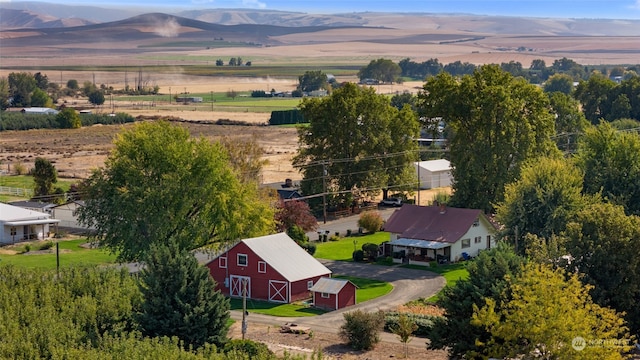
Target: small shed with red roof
[(272, 268), (333, 294), (421, 234)]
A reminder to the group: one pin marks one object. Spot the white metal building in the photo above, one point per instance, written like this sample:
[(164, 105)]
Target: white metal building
[(434, 173)]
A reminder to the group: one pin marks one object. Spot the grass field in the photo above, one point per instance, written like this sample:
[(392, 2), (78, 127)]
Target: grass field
[(71, 254), (26, 182), (273, 309), (343, 249)]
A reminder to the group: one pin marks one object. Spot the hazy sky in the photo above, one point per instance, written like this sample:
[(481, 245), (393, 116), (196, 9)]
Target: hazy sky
[(612, 9)]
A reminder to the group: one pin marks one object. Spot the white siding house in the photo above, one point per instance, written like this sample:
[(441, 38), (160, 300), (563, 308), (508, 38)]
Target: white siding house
[(18, 224)]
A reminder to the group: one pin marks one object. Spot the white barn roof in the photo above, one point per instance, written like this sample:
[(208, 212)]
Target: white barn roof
[(286, 257), (435, 165), (329, 285)]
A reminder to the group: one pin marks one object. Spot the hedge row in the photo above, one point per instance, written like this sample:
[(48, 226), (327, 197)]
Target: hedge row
[(21, 121), (282, 117)]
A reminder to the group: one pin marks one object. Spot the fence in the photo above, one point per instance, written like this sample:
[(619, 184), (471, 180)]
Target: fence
[(18, 192)]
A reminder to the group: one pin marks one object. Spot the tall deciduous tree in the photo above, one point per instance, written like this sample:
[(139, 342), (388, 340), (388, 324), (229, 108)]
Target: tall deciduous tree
[(497, 121), (4, 93), (246, 157), (313, 80), (383, 70), (570, 121), (159, 185), (610, 160), (487, 280), (21, 85), (44, 176), (604, 244), (180, 299), (356, 143), (595, 95), (541, 202), (547, 311), (68, 118), (559, 83)]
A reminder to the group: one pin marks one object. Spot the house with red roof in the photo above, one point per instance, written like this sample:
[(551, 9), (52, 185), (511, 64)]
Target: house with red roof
[(272, 268), (421, 234)]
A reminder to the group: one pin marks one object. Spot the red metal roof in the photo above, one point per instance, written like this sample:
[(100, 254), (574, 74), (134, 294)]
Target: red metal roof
[(435, 223)]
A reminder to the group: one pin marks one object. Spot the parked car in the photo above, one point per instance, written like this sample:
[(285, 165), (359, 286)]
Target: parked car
[(392, 201)]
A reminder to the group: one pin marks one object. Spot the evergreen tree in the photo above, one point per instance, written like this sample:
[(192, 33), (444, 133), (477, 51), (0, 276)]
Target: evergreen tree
[(180, 299)]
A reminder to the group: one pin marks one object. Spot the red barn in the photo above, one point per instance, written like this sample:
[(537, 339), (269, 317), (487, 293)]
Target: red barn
[(333, 294), (273, 267)]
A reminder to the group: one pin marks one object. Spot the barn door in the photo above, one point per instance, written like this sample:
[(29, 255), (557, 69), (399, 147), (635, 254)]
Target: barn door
[(237, 285), (278, 291)]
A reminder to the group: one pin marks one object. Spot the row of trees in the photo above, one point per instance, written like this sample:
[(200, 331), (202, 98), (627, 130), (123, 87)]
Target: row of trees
[(537, 72), (234, 61)]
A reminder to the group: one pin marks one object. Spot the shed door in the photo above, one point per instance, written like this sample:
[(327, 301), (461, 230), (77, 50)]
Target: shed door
[(278, 291), (237, 285)]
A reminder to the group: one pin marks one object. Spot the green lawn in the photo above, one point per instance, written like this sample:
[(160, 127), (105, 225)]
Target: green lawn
[(343, 249), (452, 274), (26, 182), (71, 254), (367, 289), (273, 309)]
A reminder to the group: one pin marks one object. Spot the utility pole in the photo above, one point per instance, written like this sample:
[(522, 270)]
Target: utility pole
[(212, 101), (324, 191), (418, 182), (244, 307), (169, 95)]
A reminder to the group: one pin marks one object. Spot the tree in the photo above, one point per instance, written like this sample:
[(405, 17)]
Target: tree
[(4, 93), (42, 81), (610, 160), (559, 82), (383, 70), (538, 65), (40, 98), (512, 67), (356, 143), (406, 98), (294, 213), (603, 243), (233, 62), (68, 118), (73, 84), (158, 186), (96, 97), (405, 327), (488, 275), (312, 80), (497, 122), (545, 314), (180, 298), (44, 176), (595, 97), (246, 157), (361, 329), (458, 68), (21, 85), (542, 200), (232, 94), (219, 62), (570, 121)]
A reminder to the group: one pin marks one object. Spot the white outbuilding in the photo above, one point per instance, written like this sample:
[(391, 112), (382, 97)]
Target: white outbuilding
[(18, 224), (434, 173)]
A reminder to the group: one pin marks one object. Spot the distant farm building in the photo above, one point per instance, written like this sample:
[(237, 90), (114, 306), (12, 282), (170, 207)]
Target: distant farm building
[(39, 110), (190, 99)]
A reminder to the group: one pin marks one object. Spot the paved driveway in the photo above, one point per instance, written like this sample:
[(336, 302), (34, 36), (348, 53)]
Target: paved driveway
[(408, 284)]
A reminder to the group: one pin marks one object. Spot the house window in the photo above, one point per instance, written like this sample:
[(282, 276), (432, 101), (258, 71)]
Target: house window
[(262, 267), (477, 240), (325, 295), (242, 260), (466, 243), (222, 262), (309, 284), (13, 231)]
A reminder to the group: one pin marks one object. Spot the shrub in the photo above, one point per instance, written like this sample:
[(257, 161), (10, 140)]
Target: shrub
[(20, 169), (334, 238), (370, 221), (309, 247), (370, 251), (46, 245), (251, 348), (296, 233), (424, 322), (27, 248), (358, 255), (361, 329)]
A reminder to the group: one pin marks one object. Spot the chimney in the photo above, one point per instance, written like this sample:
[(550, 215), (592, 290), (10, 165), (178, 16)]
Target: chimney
[(443, 208)]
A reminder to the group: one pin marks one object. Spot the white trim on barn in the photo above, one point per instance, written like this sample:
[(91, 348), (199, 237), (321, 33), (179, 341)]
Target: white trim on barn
[(278, 291)]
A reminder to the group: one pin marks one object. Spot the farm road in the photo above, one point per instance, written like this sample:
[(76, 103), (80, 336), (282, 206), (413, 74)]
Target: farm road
[(408, 284)]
